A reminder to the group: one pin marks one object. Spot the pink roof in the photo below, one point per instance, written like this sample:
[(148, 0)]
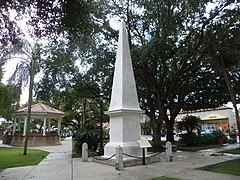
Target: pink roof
[(40, 108)]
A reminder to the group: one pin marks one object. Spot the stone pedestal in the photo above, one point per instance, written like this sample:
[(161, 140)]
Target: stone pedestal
[(124, 131)]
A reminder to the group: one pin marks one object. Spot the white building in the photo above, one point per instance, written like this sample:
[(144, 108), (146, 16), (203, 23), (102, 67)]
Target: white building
[(213, 118)]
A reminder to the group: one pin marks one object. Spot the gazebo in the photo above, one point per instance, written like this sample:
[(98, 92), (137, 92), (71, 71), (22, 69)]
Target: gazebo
[(47, 135)]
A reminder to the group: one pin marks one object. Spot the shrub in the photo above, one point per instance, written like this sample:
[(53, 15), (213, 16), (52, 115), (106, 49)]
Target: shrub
[(89, 133), (190, 123), (218, 134), (190, 139), (207, 139)]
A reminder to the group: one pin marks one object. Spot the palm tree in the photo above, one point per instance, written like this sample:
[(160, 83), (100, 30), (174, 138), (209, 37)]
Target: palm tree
[(24, 73), (191, 123)]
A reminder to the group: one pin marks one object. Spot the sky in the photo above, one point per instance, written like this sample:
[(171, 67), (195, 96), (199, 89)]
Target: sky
[(11, 64), (8, 69)]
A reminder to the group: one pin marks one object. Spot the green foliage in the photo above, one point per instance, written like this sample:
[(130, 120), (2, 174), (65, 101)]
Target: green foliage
[(62, 138), (147, 128), (9, 96), (207, 139), (198, 148), (190, 123), (233, 134), (88, 133), (29, 66), (218, 134), (227, 167), (12, 157), (168, 39), (232, 151), (190, 139)]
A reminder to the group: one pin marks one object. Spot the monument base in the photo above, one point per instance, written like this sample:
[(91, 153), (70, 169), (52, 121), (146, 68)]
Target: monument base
[(130, 148), (128, 162)]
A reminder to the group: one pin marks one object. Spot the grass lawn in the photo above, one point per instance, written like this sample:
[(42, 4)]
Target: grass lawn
[(198, 148), (13, 157), (163, 178), (227, 167), (232, 151)]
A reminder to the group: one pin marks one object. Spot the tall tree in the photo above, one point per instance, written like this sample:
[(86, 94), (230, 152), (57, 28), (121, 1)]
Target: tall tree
[(167, 41), (167, 44), (58, 69), (223, 44), (9, 31), (24, 73)]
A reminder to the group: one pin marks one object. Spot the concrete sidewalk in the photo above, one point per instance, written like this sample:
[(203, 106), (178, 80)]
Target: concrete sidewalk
[(183, 167), (59, 165)]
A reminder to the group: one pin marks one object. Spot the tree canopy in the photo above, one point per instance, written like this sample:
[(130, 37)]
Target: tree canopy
[(173, 45)]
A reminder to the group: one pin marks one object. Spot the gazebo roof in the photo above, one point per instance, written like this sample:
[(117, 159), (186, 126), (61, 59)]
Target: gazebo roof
[(40, 109)]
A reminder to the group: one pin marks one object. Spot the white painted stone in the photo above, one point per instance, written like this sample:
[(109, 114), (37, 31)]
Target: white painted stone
[(119, 158), (84, 152), (25, 126), (14, 125), (59, 126), (169, 155), (124, 93), (124, 108), (44, 125)]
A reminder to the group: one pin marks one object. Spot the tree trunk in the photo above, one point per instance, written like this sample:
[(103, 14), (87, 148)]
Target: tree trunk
[(84, 112), (232, 95), (156, 127), (156, 136), (170, 135), (29, 106)]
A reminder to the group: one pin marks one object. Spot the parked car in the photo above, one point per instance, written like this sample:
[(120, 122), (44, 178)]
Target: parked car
[(206, 132), (180, 134)]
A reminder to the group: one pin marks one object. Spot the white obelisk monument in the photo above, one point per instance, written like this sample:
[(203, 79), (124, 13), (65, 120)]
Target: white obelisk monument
[(124, 109)]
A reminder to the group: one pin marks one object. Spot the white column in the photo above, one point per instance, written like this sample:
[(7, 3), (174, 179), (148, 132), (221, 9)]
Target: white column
[(25, 126), (19, 125), (44, 125), (49, 125), (14, 124), (59, 126)]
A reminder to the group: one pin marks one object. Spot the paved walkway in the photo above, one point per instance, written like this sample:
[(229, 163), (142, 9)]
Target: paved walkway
[(59, 165)]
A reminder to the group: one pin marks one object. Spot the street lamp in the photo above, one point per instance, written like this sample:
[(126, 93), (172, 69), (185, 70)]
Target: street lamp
[(101, 124)]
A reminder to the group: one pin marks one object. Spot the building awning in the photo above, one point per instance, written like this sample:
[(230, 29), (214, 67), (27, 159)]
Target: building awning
[(213, 117)]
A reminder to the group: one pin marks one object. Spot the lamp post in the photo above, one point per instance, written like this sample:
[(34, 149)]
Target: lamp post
[(101, 124)]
